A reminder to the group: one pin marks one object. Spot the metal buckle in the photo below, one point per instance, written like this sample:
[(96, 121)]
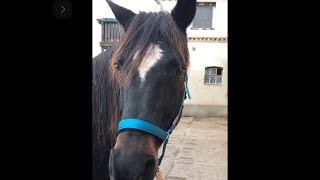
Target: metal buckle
[(158, 174)]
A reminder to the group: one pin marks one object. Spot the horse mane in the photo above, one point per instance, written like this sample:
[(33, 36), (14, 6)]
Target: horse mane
[(104, 104), (143, 31)]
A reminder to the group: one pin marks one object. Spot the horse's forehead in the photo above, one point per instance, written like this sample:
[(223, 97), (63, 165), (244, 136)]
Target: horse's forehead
[(152, 56)]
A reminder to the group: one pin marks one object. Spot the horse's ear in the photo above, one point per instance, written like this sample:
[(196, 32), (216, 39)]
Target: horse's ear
[(123, 15), (183, 13)]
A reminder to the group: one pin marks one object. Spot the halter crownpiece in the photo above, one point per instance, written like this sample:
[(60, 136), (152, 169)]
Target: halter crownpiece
[(142, 125)]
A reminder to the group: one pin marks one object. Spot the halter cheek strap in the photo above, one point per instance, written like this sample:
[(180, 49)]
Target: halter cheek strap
[(142, 125)]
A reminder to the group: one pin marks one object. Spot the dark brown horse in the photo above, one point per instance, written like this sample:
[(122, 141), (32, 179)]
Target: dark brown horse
[(143, 78)]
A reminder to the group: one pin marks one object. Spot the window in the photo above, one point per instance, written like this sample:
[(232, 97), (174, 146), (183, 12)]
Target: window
[(213, 75), (203, 16)]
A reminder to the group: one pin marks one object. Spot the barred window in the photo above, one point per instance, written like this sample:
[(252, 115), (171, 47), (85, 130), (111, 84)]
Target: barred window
[(213, 75)]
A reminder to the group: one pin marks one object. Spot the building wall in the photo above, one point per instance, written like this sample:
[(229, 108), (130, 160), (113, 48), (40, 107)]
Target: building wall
[(219, 20), (205, 55), (207, 100)]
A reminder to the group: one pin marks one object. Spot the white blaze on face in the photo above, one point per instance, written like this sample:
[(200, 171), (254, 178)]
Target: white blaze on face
[(153, 54)]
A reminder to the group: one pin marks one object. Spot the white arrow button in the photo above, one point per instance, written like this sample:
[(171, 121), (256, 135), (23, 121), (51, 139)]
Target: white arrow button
[(63, 9)]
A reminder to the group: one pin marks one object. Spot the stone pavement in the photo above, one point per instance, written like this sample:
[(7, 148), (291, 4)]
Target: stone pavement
[(197, 150)]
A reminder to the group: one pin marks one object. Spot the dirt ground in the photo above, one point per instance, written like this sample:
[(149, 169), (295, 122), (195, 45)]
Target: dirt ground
[(197, 150)]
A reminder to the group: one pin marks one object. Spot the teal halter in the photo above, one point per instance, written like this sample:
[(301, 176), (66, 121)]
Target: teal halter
[(148, 127)]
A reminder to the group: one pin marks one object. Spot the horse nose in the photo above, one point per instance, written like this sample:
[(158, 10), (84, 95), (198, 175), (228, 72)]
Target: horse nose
[(124, 165)]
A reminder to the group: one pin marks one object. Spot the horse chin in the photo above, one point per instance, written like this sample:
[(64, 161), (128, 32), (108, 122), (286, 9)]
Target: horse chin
[(134, 157)]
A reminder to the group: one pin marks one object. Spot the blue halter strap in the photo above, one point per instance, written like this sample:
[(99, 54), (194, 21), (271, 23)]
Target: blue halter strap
[(142, 125)]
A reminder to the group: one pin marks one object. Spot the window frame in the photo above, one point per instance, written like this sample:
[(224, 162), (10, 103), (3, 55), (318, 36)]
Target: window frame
[(212, 76), (210, 4)]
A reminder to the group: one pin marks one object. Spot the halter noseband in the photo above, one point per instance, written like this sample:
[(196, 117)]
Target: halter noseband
[(142, 125)]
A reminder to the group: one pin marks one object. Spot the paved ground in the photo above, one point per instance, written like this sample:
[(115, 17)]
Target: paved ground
[(197, 150)]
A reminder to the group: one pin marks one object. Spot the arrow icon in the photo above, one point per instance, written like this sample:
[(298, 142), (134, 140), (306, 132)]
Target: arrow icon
[(63, 9)]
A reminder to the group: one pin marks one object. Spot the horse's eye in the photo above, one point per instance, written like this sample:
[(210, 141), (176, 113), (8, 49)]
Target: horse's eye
[(119, 62), (117, 65), (179, 72)]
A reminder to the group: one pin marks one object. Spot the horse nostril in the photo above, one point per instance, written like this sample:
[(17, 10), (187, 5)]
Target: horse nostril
[(128, 165), (149, 166)]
